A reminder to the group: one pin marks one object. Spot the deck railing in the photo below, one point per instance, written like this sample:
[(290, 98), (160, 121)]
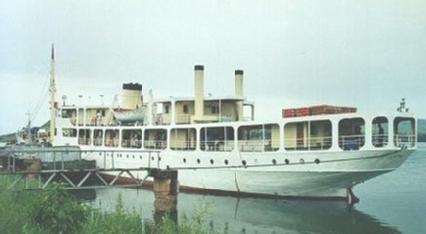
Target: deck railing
[(217, 145), (309, 143), (351, 142), (380, 140), (408, 140), (258, 145), (112, 142), (155, 144), (131, 143)]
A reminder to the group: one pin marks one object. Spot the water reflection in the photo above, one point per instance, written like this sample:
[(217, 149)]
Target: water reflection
[(252, 215)]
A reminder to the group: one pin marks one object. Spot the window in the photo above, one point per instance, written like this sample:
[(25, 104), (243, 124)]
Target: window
[(155, 139), (161, 113), (214, 109), (308, 135), (351, 133), (256, 138), (404, 132), (185, 109), (84, 136), (217, 139), (69, 114), (80, 117), (131, 138), (380, 132), (97, 137), (69, 132), (295, 136), (183, 139), (320, 135), (112, 138)]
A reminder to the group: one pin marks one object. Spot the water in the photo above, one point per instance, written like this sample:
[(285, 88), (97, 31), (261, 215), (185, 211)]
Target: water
[(391, 203)]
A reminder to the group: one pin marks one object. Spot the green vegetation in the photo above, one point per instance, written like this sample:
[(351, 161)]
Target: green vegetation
[(421, 130), (54, 210), (8, 138)]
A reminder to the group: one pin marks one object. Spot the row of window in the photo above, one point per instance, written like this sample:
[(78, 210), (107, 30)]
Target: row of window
[(306, 135)]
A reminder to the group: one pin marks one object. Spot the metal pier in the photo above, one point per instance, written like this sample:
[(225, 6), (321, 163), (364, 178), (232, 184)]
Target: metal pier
[(37, 168)]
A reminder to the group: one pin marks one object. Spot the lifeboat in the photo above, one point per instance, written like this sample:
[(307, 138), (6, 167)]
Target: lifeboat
[(136, 115)]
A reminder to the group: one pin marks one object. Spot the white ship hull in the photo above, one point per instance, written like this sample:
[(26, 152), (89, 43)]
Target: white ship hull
[(330, 178)]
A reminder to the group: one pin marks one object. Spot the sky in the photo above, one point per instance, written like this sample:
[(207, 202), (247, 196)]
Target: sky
[(363, 53)]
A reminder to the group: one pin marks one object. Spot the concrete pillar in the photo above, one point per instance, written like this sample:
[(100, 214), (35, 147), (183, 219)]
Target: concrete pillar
[(165, 187)]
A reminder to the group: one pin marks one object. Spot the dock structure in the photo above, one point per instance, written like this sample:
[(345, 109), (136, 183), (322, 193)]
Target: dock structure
[(37, 168)]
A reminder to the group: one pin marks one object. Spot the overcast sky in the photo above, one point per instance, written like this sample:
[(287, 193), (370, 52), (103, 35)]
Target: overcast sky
[(363, 53)]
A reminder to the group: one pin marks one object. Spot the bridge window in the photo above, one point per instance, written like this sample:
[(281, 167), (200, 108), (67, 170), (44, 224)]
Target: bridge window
[(80, 117), (183, 139), (131, 138), (217, 139), (162, 113), (69, 132), (351, 133), (380, 131), (69, 114), (404, 132), (308, 135), (97, 137), (112, 138), (84, 136), (257, 138), (155, 139)]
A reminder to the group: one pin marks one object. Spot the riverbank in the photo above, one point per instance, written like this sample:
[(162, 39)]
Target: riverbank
[(55, 210)]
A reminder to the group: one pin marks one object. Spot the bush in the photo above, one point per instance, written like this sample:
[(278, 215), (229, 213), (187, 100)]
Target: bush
[(56, 211), (116, 222)]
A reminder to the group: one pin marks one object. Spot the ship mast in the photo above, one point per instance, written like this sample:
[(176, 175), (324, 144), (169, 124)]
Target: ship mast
[(52, 91)]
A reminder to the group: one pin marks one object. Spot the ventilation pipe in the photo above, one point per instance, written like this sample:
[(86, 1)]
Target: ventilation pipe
[(199, 91), (131, 96), (239, 93)]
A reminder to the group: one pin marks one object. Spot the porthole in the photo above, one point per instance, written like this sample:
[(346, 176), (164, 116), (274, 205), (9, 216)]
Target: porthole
[(211, 161), (286, 161), (226, 162), (184, 160), (244, 162), (100, 154), (152, 158), (127, 155), (159, 158), (198, 160), (168, 167), (140, 157), (274, 161), (317, 161), (133, 156)]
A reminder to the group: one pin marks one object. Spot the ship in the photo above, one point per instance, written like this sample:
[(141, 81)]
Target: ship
[(218, 146)]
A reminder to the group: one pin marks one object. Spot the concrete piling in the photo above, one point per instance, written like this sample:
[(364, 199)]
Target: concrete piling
[(165, 187)]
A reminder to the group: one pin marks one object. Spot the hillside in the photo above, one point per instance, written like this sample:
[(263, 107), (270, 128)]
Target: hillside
[(422, 130)]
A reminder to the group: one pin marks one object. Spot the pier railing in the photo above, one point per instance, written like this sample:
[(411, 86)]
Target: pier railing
[(67, 166)]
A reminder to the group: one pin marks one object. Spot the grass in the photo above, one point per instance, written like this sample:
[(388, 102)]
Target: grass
[(54, 210)]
